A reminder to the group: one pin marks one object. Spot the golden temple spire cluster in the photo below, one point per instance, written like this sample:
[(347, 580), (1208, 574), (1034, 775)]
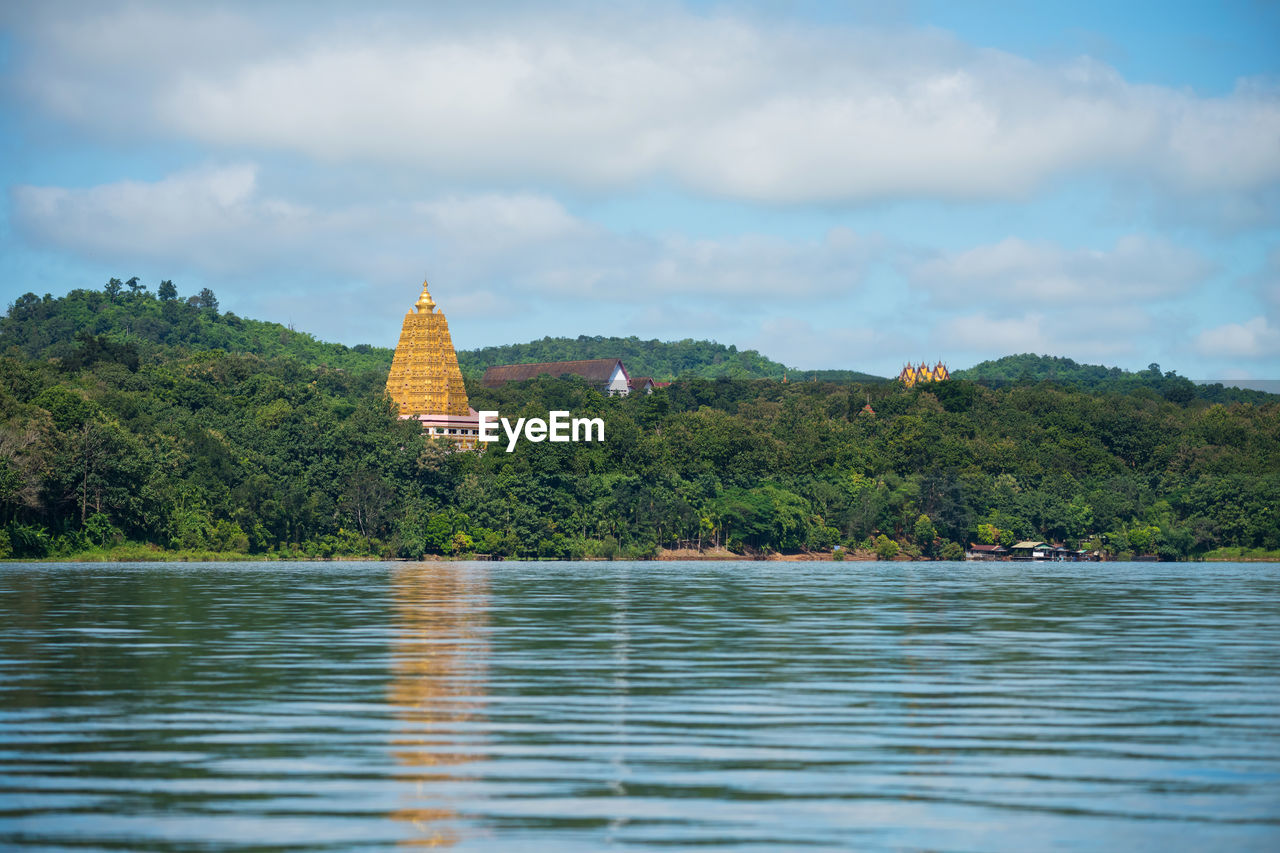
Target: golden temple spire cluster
[(424, 378), (911, 375)]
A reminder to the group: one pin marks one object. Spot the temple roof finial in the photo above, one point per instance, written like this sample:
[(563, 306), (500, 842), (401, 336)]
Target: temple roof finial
[(425, 303)]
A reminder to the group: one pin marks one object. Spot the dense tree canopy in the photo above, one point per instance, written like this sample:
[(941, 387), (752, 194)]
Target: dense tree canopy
[(662, 360), (1025, 368), (160, 327), (202, 432)]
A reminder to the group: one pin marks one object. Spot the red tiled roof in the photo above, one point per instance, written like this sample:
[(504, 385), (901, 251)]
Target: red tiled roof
[(597, 371)]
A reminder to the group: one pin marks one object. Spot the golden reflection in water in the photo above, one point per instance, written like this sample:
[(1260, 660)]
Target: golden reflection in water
[(437, 686)]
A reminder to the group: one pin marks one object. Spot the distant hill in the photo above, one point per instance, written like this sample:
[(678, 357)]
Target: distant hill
[(1029, 368), (839, 376), (141, 325), (129, 325), (663, 360)]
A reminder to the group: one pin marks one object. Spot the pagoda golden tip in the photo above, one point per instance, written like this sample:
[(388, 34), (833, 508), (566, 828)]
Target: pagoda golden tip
[(425, 302)]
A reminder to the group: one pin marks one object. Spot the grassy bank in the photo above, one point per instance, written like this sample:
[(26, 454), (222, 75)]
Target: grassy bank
[(1242, 555)]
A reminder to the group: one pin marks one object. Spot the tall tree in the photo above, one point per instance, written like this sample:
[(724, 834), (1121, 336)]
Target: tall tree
[(925, 533)]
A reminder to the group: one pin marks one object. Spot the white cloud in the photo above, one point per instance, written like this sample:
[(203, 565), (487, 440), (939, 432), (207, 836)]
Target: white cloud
[(517, 218), (720, 104), (190, 213), (1014, 272), (498, 249), (521, 265), (1084, 333), (764, 270), (220, 220), (981, 332), (1254, 338)]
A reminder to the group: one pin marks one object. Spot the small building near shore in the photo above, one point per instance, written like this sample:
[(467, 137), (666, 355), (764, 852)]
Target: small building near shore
[(1038, 551), (986, 552)]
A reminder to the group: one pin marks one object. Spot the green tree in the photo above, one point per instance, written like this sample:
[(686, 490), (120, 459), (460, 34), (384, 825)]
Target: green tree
[(1078, 518), (99, 529), (367, 502), (925, 533), (461, 543), (441, 528), (29, 540), (167, 292), (988, 534), (1142, 538), (205, 299), (10, 489), (886, 548)]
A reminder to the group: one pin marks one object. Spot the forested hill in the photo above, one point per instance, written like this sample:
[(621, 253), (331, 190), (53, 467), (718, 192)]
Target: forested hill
[(131, 324), (157, 425), (662, 360), (1030, 368), (127, 323)]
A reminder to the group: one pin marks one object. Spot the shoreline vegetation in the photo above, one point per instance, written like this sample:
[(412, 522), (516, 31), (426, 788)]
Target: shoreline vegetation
[(144, 426), (141, 552)]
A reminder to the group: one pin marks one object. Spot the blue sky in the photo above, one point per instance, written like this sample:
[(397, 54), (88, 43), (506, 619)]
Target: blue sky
[(837, 185)]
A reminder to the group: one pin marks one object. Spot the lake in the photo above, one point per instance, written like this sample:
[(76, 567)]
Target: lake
[(646, 706)]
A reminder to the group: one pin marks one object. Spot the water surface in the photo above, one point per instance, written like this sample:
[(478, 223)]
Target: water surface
[(567, 706)]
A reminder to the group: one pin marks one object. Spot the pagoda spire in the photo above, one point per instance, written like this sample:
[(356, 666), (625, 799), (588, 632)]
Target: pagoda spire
[(425, 378), (425, 303)]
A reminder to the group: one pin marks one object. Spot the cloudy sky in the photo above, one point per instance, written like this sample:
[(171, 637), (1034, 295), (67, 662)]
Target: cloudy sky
[(836, 185)]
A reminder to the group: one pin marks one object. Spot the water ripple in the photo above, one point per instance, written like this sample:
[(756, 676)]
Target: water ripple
[(745, 706)]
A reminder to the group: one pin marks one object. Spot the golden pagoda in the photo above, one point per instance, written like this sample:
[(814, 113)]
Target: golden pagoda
[(912, 375), (424, 378)]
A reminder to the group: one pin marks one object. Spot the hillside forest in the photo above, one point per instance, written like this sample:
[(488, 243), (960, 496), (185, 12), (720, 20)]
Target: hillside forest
[(135, 423)]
